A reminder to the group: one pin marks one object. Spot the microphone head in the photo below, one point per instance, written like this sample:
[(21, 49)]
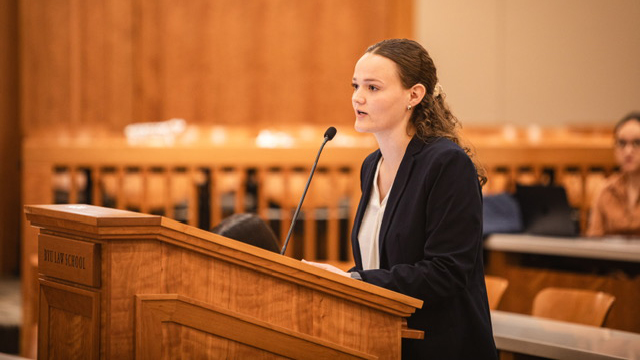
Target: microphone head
[(330, 133)]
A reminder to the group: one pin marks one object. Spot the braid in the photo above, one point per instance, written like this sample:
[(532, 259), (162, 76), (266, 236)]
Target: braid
[(432, 118)]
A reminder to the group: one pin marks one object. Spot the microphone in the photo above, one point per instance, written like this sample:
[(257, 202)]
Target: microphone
[(328, 136)]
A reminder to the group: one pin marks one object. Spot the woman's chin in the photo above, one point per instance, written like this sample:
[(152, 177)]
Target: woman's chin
[(360, 127)]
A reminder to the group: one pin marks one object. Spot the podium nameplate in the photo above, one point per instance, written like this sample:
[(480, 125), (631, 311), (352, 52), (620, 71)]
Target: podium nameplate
[(71, 260)]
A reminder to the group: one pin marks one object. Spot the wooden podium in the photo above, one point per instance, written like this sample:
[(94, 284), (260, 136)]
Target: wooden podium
[(115, 284)]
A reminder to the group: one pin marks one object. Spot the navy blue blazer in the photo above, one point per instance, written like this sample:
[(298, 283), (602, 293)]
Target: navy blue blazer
[(431, 249)]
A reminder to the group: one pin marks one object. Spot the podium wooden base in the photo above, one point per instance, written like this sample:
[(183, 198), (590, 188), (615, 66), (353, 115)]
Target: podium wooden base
[(122, 285)]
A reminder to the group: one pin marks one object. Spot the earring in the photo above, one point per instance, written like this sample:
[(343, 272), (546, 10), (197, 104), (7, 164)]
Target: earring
[(408, 107)]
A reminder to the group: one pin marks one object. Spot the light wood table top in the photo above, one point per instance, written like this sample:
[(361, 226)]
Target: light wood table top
[(619, 249), (561, 340)]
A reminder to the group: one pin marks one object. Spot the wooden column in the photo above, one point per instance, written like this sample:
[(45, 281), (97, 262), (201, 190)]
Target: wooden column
[(9, 139)]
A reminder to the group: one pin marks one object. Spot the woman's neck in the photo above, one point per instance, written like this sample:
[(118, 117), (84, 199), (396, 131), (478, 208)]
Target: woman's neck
[(392, 146)]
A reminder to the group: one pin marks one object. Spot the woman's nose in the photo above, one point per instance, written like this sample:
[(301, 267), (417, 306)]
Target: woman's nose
[(357, 97)]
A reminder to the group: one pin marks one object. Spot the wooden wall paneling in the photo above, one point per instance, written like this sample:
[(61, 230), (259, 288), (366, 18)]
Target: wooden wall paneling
[(118, 79), (401, 18), (95, 67), (45, 47), (146, 67), (77, 67), (256, 62), (10, 136)]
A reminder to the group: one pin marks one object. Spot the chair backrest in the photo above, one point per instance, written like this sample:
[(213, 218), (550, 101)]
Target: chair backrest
[(581, 306), (496, 287)]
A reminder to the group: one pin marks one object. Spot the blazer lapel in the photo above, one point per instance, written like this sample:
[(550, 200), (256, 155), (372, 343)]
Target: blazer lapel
[(367, 185), (398, 188)]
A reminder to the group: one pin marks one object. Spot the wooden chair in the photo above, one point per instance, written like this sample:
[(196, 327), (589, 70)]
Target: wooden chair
[(580, 306), (496, 286)]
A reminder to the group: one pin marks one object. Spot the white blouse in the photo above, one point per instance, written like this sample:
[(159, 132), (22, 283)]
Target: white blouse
[(370, 228)]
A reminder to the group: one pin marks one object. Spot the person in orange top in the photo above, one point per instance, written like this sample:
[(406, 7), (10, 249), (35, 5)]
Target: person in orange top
[(616, 210)]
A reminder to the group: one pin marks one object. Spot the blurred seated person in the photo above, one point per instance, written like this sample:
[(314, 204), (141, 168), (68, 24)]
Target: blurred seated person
[(616, 210), (249, 229)]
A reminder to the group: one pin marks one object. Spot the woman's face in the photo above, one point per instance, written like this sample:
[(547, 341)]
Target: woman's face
[(379, 99), (627, 147)]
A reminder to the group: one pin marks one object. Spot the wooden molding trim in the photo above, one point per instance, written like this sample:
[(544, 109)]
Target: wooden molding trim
[(412, 334), (154, 309), (407, 333)]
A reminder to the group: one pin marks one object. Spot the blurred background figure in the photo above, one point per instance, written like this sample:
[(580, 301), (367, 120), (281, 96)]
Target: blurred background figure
[(249, 229), (616, 210)]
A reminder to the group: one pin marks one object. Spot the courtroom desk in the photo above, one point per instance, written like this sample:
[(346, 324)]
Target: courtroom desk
[(4, 356), (595, 248), (524, 334), (532, 263)]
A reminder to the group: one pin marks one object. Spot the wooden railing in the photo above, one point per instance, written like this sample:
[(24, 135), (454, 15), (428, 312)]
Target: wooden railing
[(201, 185), (579, 168)]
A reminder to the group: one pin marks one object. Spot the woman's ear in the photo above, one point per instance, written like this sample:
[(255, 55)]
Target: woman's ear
[(416, 93)]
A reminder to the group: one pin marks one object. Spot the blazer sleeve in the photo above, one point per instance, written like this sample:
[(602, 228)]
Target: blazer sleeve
[(450, 233)]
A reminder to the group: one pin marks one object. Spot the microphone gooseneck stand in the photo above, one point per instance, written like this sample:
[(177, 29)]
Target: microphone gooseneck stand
[(328, 135)]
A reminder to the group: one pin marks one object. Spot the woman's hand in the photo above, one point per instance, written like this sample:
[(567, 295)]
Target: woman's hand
[(327, 267)]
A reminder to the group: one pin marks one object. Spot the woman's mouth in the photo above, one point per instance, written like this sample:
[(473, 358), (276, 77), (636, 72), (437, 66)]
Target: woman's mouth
[(360, 112)]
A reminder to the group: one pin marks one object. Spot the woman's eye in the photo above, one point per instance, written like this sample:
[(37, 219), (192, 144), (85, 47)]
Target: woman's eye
[(373, 88), (354, 86)]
